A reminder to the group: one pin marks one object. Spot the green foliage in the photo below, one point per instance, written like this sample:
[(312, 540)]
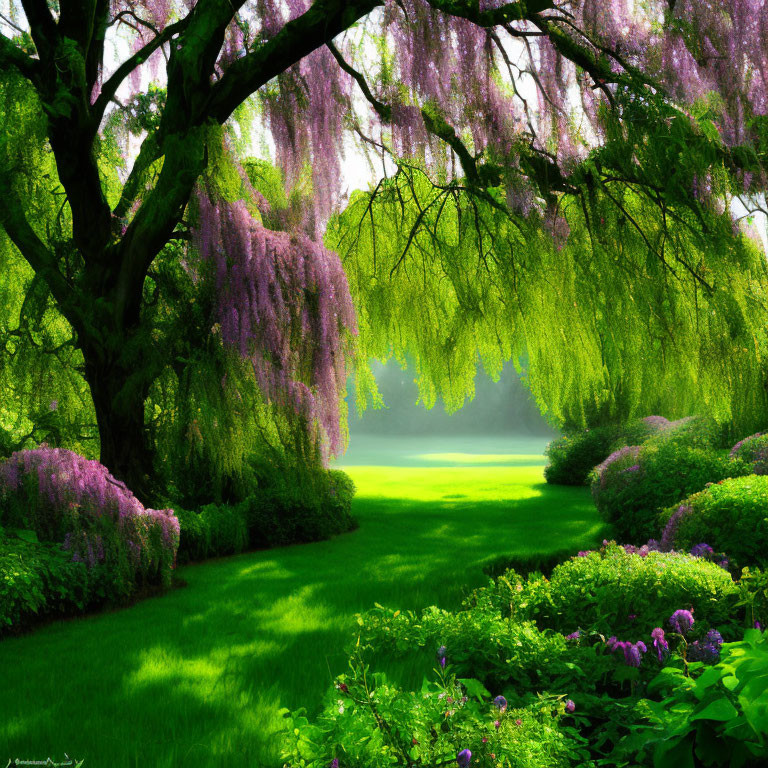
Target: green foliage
[(38, 580), (481, 642), (731, 516), (370, 723), (612, 591), (572, 457), (602, 330), (669, 470), (753, 596), (270, 517), (719, 718)]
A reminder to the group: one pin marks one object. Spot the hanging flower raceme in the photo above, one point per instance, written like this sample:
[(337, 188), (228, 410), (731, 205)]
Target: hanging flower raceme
[(282, 302)]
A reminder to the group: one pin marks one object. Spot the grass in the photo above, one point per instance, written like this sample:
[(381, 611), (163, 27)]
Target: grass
[(198, 676)]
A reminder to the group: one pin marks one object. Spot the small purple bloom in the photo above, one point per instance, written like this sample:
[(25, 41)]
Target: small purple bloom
[(702, 550), (464, 758), (660, 643), (497, 723), (758, 625), (574, 635), (501, 703), (54, 406), (335, 762), (681, 621), (442, 662), (570, 707)]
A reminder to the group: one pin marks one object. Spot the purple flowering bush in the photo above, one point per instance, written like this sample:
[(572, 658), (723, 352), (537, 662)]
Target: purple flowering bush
[(753, 449), (67, 499), (635, 483), (730, 516)]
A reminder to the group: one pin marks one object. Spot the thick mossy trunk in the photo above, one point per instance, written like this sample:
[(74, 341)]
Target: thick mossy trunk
[(119, 390)]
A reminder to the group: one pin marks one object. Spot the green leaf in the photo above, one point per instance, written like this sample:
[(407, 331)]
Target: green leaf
[(720, 709), (475, 688)]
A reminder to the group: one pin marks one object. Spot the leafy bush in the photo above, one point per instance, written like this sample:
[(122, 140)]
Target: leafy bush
[(754, 450), (70, 500), (616, 592), (635, 483), (274, 516), (731, 516), (370, 723), (718, 718), (572, 457), (39, 579)]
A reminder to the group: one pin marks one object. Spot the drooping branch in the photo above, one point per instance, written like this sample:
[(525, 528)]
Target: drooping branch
[(324, 20), (35, 252), (110, 87)]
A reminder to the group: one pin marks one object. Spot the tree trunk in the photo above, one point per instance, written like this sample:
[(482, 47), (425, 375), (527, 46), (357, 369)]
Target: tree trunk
[(119, 392)]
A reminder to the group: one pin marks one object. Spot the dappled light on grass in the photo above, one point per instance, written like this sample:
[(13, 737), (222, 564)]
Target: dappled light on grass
[(200, 674)]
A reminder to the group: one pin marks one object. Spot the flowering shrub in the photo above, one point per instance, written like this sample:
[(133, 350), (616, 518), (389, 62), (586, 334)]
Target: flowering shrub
[(731, 516), (635, 483), (719, 718), (753, 449), (65, 498), (616, 592)]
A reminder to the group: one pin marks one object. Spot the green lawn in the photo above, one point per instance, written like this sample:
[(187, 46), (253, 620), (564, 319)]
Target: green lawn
[(197, 677)]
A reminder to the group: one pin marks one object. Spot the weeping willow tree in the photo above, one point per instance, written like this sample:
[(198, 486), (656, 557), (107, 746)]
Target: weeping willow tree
[(560, 163), (622, 294)]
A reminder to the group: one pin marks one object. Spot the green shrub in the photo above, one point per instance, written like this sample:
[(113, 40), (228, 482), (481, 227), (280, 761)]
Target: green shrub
[(631, 488), (40, 579), (572, 457), (719, 718), (731, 516), (368, 722), (274, 516), (615, 592)]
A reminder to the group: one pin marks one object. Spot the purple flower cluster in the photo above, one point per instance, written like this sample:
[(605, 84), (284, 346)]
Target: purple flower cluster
[(670, 530), (464, 758), (708, 649), (67, 495), (660, 643), (681, 621), (632, 651), (629, 453)]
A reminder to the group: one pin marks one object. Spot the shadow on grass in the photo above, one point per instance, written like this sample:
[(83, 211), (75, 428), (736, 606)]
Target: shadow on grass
[(199, 675)]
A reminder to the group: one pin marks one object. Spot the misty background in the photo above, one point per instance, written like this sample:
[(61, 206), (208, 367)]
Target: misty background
[(500, 425)]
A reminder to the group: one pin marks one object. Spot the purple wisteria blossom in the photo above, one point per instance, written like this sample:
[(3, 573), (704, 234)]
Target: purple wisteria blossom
[(464, 758)]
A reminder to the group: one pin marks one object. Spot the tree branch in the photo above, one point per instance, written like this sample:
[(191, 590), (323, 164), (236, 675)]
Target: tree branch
[(12, 56), (110, 87), (316, 27)]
